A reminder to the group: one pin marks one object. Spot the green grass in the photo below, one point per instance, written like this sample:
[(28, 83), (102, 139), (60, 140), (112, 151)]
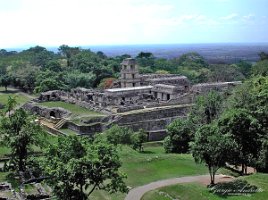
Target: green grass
[(228, 172), (48, 139), (197, 191), (3, 176), (21, 98), (152, 165), (4, 151), (68, 131), (30, 189), (71, 107)]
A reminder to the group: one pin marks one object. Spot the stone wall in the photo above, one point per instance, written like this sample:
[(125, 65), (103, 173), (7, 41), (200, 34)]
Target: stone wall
[(154, 120), (85, 129), (43, 111), (157, 113), (157, 135)]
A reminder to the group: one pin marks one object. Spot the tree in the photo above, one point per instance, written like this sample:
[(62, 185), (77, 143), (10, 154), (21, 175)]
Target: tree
[(245, 68), (224, 73), (180, 133), (20, 132), (207, 108), (118, 135), (193, 66), (263, 56), (68, 52), (11, 103), (5, 81), (210, 146), (252, 95), (262, 162), (162, 72), (24, 76), (101, 55), (77, 79), (260, 68), (48, 84), (145, 59), (54, 66), (164, 64), (49, 80), (245, 131), (106, 83), (138, 139), (77, 166)]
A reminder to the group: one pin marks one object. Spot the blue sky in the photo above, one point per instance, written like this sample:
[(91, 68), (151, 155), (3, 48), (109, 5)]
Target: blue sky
[(109, 22)]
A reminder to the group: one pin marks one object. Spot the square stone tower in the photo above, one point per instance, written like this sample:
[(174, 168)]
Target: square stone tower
[(130, 76)]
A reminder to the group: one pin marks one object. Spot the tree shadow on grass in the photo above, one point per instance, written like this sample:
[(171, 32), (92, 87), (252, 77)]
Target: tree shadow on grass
[(9, 92), (147, 152), (13, 179), (234, 188)]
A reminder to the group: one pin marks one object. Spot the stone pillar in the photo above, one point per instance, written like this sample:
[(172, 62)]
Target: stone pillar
[(159, 95), (164, 97)]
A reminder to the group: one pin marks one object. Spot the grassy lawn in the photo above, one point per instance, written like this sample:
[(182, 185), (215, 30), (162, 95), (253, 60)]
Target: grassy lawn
[(68, 131), (152, 165), (21, 98), (197, 191), (49, 139), (3, 176), (71, 107), (4, 151)]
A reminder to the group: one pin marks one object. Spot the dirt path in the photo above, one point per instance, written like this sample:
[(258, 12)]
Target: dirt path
[(27, 95), (138, 192)]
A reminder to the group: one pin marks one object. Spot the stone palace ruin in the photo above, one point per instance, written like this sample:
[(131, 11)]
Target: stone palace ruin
[(148, 101)]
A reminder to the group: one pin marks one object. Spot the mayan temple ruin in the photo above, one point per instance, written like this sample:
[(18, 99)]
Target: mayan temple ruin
[(147, 101)]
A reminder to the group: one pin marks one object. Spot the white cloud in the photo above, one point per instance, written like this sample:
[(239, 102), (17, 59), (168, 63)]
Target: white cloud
[(82, 22), (54, 22), (249, 17), (230, 17)]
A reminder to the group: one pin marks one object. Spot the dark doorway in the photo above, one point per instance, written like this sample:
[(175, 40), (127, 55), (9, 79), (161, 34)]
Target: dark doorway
[(168, 96), (90, 97), (52, 114)]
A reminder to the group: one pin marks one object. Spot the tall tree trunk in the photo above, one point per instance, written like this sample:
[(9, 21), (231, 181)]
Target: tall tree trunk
[(211, 176), (81, 190), (21, 165), (242, 170)]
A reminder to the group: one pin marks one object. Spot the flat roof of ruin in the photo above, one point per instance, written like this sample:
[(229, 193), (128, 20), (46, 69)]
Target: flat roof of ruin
[(128, 61), (217, 83), (129, 89), (163, 75), (170, 78), (166, 86)]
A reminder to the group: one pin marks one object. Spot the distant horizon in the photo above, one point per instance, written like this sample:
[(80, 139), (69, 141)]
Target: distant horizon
[(24, 47)]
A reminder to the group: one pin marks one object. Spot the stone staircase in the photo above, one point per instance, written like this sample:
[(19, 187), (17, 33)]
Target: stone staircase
[(50, 127), (60, 123)]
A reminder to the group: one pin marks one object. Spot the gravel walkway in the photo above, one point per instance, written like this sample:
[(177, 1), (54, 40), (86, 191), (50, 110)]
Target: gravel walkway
[(138, 192)]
